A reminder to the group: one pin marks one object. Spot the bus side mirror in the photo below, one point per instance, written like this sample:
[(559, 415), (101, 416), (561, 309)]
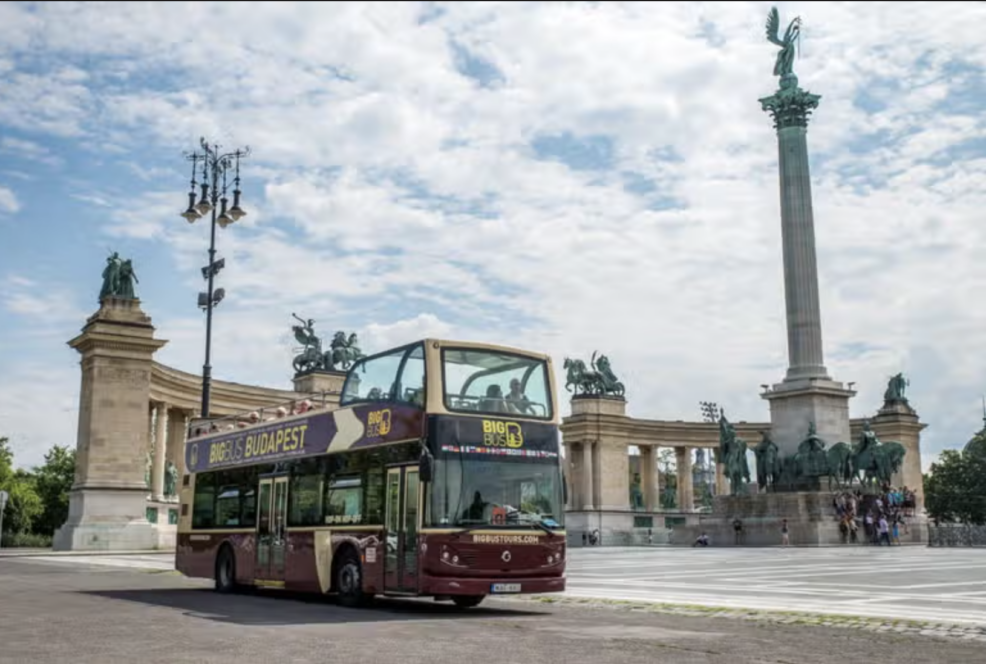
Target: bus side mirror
[(425, 465)]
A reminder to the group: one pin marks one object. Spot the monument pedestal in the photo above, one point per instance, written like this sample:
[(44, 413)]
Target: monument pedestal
[(318, 382), (794, 404), (108, 500)]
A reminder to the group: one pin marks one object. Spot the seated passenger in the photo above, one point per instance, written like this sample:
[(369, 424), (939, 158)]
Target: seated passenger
[(493, 403), (703, 540), (517, 402)]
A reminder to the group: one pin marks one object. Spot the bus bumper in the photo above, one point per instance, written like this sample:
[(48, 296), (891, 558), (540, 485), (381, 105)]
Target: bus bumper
[(440, 585)]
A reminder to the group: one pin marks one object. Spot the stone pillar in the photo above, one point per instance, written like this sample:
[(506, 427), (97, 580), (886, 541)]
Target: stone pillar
[(899, 422), (160, 451), (806, 394), (107, 503), (722, 484), (648, 477), (790, 107), (686, 492), (587, 475), (612, 476), (177, 426), (328, 383)]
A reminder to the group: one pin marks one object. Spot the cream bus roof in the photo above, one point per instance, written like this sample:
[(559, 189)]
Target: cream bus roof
[(472, 345)]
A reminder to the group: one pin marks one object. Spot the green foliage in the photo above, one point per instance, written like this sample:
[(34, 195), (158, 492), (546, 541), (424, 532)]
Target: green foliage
[(38, 502), (955, 489), (25, 540), (53, 480)]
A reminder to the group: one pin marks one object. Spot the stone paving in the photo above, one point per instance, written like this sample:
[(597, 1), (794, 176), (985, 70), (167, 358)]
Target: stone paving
[(913, 590), (75, 610)]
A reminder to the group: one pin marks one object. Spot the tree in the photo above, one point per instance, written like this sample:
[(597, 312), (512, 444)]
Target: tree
[(955, 489), (23, 505), (53, 481)]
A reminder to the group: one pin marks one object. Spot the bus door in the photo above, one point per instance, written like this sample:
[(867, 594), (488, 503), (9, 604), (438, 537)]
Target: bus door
[(272, 509), (403, 499)]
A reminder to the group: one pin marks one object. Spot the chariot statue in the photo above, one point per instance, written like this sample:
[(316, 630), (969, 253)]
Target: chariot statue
[(599, 381)]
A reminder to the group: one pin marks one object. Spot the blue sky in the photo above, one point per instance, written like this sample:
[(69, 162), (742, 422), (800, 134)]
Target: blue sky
[(564, 177)]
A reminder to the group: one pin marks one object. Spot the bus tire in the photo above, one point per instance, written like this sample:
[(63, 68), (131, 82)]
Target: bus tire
[(226, 570), (348, 580), (468, 601)]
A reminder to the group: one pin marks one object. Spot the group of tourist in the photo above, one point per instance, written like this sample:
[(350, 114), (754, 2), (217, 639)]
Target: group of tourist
[(881, 516), (255, 417)]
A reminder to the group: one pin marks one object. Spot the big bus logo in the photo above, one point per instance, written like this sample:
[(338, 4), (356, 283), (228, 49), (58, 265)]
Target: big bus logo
[(378, 423), (502, 434)]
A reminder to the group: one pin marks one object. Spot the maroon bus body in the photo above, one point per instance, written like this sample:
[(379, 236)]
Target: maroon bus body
[(481, 564)]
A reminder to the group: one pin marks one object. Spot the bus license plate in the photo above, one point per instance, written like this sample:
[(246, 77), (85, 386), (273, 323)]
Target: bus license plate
[(505, 588)]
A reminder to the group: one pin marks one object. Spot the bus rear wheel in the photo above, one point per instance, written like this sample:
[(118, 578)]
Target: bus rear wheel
[(226, 571), (467, 601), (349, 581)]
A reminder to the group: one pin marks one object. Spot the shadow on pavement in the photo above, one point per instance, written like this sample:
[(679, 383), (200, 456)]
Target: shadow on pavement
[(272, 607)]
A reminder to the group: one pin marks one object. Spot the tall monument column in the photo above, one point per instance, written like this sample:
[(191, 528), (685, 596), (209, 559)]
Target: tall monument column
[(807, 394), (107, 503)]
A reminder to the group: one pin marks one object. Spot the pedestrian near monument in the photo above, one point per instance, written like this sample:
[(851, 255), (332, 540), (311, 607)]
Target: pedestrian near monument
[(785, 533)]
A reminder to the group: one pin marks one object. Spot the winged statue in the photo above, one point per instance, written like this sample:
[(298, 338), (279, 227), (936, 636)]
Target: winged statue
[(785, 57)]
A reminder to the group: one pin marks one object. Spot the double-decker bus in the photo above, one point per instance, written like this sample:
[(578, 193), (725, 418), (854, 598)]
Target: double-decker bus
[(438, 475)]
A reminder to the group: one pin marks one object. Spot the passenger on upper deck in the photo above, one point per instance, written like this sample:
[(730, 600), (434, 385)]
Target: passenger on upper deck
[(493, 403), (517, 401)]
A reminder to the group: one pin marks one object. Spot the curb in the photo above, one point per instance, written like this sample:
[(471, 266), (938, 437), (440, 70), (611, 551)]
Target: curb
[(27, 553)]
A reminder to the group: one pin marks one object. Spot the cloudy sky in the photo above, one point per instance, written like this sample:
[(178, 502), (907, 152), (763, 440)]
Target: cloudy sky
[(563, 177)]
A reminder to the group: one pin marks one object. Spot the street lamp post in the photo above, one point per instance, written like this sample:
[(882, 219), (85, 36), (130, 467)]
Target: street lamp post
[(215, 167)]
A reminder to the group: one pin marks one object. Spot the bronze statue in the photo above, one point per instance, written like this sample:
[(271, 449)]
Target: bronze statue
[(895, 389), (345, 352), (601, 380), (784, 65), (732, 450), (840, 464), (768, 461), (310, 358), (170, 479), (875, 460), (811, 451), (118, 279)]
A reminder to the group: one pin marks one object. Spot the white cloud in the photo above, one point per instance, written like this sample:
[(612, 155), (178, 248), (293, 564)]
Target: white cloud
[(8, 201), (397, 195)]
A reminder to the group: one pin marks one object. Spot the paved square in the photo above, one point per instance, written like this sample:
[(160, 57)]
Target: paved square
[(916, 583), (69, 609), (913, 583)]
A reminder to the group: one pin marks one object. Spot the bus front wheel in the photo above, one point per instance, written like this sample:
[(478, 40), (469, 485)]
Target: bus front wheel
[(467, 601), (226, 570), (349, 581)]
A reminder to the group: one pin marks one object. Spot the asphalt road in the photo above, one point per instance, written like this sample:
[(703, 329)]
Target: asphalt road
[(80, 613)]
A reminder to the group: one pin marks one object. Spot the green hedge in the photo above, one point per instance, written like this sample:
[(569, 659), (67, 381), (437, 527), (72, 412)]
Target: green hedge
[(25, 541)]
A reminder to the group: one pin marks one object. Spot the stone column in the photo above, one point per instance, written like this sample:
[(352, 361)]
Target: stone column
[(790, 107), (722, 484), (177, 426), (648, 477), (612, 481), (160, 451), (107, 503), (587, 483), (686, 492), (806, 394)]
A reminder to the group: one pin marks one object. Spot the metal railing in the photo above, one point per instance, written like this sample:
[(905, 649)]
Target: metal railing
[(958, 534)]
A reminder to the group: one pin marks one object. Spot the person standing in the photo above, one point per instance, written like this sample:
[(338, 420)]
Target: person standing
[(884, 530), (785, 534)]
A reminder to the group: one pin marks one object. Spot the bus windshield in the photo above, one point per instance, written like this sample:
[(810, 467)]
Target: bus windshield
[(495, 382), (470, 492)]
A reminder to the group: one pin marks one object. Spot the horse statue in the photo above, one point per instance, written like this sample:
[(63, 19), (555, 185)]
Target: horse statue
[(732, 450), (840, 464), (608, 383), (310, 358), (345, 352), (768, 462), (875, 460), (578, 377), (895, 389)]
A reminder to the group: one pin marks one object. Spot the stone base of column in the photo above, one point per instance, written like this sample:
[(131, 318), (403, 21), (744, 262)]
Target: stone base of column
[(793, 404), (320, 381), (106, 519)]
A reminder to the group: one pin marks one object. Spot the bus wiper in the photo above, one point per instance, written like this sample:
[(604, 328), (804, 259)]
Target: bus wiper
[(542, 526)]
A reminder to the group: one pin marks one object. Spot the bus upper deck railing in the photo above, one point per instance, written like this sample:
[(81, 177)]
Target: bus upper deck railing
[(242, 420)]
